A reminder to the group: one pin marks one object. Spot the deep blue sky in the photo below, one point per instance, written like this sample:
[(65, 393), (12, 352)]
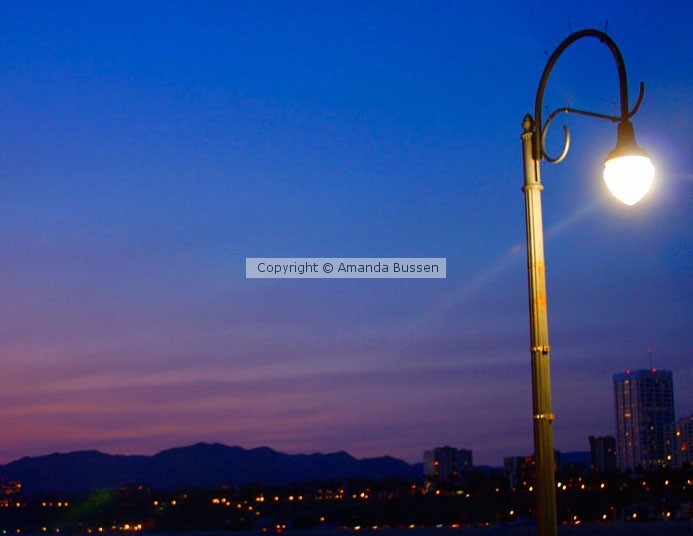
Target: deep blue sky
[(148, 148)]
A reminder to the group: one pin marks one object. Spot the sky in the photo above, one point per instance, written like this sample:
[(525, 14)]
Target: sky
[(148, 148)]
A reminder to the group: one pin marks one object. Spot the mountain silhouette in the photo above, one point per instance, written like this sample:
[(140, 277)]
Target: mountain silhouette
[(202, 465)]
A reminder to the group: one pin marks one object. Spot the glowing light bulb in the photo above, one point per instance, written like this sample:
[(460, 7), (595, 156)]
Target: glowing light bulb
[(628, 170), (629, 177)]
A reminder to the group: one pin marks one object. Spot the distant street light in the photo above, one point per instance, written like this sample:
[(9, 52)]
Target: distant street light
[(628, 172)]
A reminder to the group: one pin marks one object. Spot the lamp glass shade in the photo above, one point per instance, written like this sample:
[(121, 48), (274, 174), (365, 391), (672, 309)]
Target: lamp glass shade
[(629, 177)]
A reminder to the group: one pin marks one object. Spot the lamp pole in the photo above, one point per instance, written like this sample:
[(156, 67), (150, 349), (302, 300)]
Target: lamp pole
[(533, 152)]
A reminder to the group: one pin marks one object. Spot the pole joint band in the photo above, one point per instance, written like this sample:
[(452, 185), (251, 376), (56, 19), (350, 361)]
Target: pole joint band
[(544, 417), (542, 349)]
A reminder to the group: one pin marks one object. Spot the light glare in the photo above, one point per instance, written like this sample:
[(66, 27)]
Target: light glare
[(629, 178)]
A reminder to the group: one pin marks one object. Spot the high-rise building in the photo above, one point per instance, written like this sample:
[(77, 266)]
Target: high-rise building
[(519, 470), (443, 465), (644, 402), (603, 453), (683, 441)]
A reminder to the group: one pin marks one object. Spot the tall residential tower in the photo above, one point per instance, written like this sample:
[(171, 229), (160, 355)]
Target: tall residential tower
[(644, 418)]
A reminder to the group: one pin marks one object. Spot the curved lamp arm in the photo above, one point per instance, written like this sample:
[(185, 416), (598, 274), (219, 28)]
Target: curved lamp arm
[(539, 146)]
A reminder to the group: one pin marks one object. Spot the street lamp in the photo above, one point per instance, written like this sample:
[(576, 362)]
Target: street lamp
[(628, 172)]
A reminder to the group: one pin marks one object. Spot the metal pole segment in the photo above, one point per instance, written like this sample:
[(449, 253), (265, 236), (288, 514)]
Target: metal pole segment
[(539, 336)]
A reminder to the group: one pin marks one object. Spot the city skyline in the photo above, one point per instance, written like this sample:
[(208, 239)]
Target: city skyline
[(149, 149), (680, 423)]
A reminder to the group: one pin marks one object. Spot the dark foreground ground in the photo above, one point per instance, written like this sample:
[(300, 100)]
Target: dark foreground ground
[(643, 529), (639, 529), (635, 529), (618, 529)]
